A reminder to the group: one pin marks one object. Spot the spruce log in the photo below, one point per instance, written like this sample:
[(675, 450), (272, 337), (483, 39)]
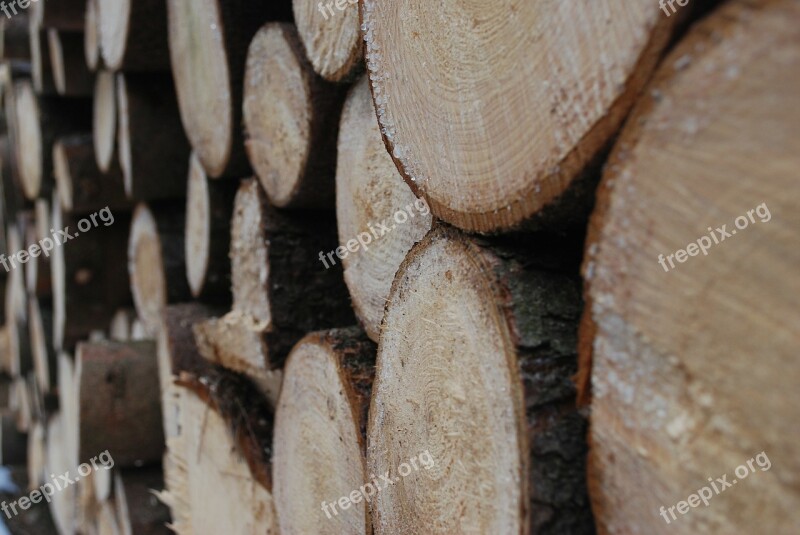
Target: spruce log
[(275, 267), (133, 35), (104, 125), (153, 149), (39, 121), (41, 62), (82, 187), (36, 456), (91, 36), (689, 353), (138, 510), (465, 124), (332, 38), (71, 76), (327, 384), (120, 409), (290, 118), (209, 208), (370, 192), (473, 370), (64, 502), (208, 43), (157, 261)]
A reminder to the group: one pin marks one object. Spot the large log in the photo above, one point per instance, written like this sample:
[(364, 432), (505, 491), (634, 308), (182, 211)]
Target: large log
[(120, 409), (209, 208), (326, 388), (493, 118), (275, 267), (686, 353), (41, 63), (208, 43), (332, 38), (153, 149), (290, 118), (133, 35), (373, 206), (473, 374)]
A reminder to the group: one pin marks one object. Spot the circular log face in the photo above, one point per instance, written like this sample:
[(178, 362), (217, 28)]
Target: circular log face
[(105, 119), (91, 39), (492, 108), (202, 80), (318, 451), (114, 31), (331, 38), (447, 383), (697, 353), (146, 268), (198, 220), (370, 192), (29, 145), (277, 111)]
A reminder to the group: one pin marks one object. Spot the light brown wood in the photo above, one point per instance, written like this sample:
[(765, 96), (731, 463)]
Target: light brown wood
[(104, 127), (325, 394), (41, 62), (120, 409), (133, 35), (493, 110), (473, 369), (290, 118), (91, 37), (64, 502), (370, 193), (696, 358), (208, 42), (331, 37)]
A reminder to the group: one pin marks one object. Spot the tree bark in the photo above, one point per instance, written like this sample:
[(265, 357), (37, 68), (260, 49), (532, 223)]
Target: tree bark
[(332, 38), (687, 353), (91, 36), (475, 359), (326, 388), (120, 409), (208, 46), (370, 193), (290, 118)]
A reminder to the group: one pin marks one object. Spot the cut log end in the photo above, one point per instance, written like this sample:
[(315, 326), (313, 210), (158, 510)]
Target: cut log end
[(105, 120), (91, 38), (198, 227), (28, 146), (145, 266), (332, 38)]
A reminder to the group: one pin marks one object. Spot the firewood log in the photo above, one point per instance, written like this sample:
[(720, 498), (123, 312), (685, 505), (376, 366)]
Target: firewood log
[(41, 63), (133, 35), (371, 200), (153, 149), (36, 456), (104, 120), (208, 45), (491, 141), (39, 121), (71, 76), (275, 266), (157, 261), (209, 208), (332, 38), (691, 352), (327, 384), (91, 36), (290, 118), (120, 409), (473, 380)]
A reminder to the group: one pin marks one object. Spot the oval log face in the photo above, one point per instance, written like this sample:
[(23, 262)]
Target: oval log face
[(491, 109)]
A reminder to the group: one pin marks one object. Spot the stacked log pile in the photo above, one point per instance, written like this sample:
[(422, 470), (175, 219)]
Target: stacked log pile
[(294, 267)]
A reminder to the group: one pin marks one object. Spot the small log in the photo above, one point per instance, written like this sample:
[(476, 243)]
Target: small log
[(120, 328), (42, 73), (104, 127), (275, 266), (139, 512), (91, 36), (370, 192), (209, 208), (71, 76), (36, 456), (153, 149), (157, 261), (69, 409), (13, 443), (290, 118), (39, 121), (688, 353), (133, 35), (107, 521), (38, 280), (208, 46), (120, 409), (488, 149), (478, 345), (66, 15), (326, 387), (82, 187), (332, 38)]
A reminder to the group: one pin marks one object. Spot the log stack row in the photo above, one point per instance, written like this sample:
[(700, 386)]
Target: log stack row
[(396, 267)]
